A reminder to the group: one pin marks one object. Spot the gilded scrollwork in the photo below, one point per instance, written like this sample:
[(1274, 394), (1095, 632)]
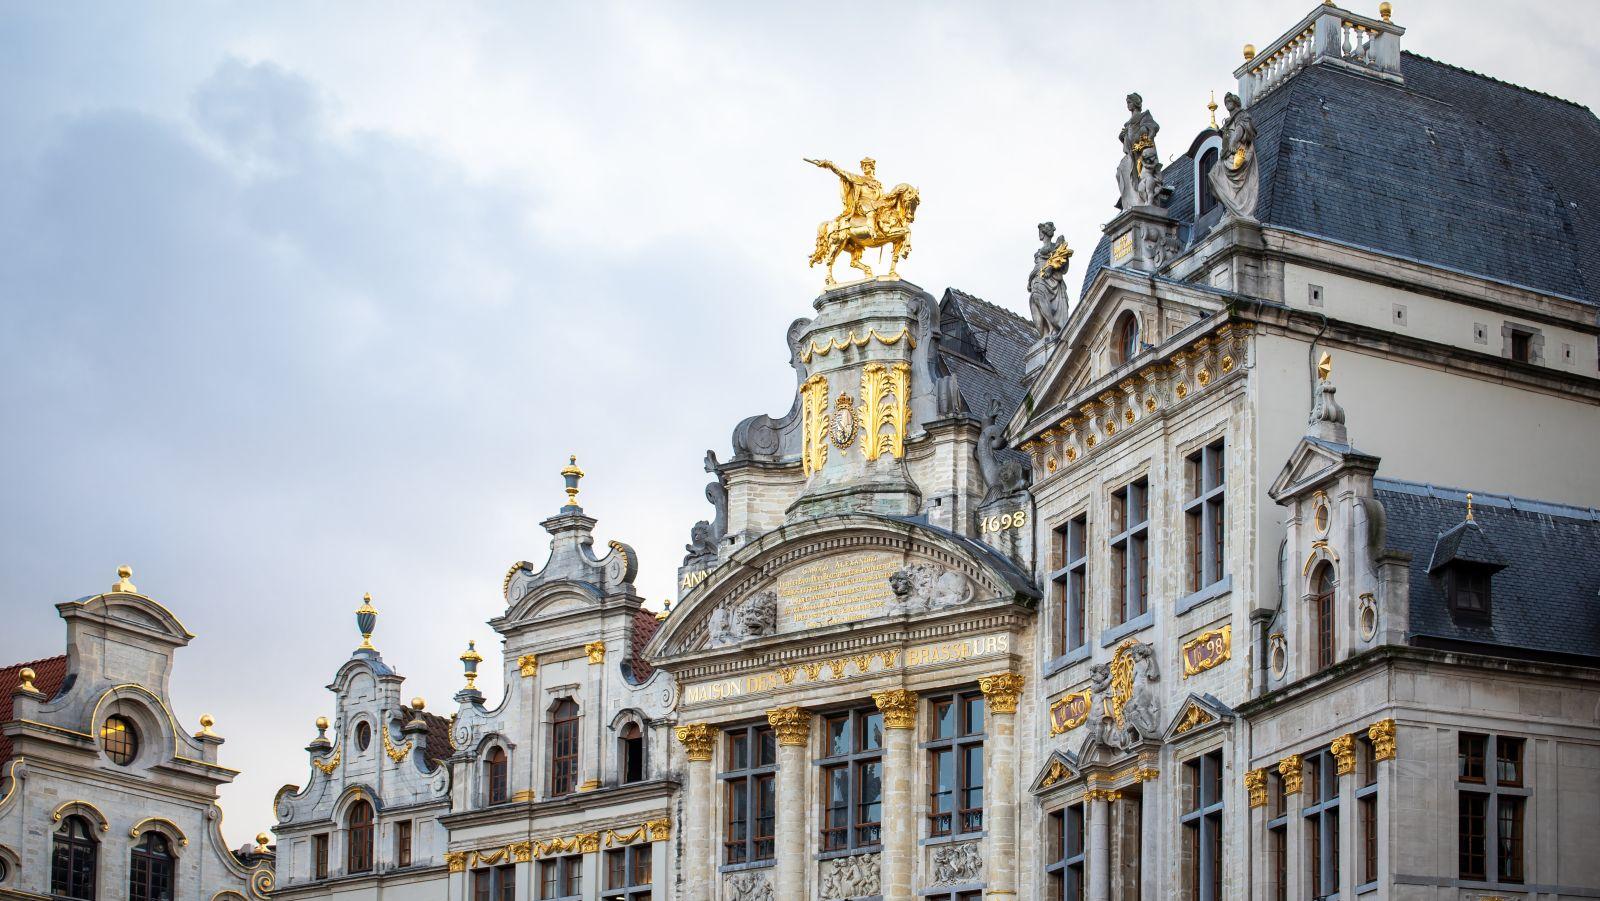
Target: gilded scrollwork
[(814, 423), (886, 403)]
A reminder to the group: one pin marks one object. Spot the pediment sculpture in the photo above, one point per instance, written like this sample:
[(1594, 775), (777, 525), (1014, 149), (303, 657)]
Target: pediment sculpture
[(1234, 176), (754, 617), (1125, 707), (1139, 179), (1047, 282), (921, 587)]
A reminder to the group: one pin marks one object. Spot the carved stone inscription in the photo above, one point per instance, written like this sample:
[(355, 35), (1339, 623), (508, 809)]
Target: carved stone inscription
[(838, 589)]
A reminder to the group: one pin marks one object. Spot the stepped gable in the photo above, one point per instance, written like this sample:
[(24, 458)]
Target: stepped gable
[(1543, 602), (48, 674)]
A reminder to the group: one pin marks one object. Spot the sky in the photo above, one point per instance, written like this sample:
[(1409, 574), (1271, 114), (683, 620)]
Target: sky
[(302, 300)]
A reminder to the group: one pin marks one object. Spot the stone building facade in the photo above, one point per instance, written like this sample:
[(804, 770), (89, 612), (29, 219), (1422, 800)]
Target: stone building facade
[(102, 793)]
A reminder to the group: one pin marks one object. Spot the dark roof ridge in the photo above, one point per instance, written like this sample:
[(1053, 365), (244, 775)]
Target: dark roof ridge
[(1487, 499), (1491, 78)]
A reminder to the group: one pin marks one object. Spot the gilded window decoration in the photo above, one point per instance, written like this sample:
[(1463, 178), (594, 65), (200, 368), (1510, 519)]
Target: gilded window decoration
[(886, 402), (814, 423)]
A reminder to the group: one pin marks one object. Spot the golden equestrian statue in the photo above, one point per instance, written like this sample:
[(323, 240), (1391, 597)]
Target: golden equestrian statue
[(871, 218)]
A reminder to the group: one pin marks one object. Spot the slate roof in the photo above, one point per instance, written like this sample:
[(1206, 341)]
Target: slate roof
[(986, 348), (1546, 601), (1451, 168), (48, 674)]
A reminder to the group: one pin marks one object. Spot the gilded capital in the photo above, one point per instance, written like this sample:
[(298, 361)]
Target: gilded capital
[(899, 708), (1289, 768), (1343, 749), (528, 665), (1102, 794), (596, 651), (1255, 781), (1000, 691), (1382, 735), (698, 739), (792, 724)]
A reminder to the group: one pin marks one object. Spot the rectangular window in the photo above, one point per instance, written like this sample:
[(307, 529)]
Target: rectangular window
[(1521, 346), (1204, 515), (852, 779), (1508, 848), (1130, 522), (1064, 866), (1469, 757), (483, 885), (1321, 812), (1367, 811), (1202, 826), (1474, 856), (1070, 582), (750, 794), (628, 874), (319, 855), (1508, 762), (955, 764), (505, 883), (564, 748), (1493, 795), (402, 843), (561, 878)]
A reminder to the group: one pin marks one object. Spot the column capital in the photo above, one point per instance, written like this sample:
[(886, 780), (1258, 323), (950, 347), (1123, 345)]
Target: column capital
[(1000, 691), (792, 724), (1102, 794), (1255, 781), (1382, 735), (698, 739), (899, 708), (1291, 771), (1343, 749), (596, 651)]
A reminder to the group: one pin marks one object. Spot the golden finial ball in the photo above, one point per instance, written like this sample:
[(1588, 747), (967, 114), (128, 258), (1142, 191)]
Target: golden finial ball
[(417, 703), (1249, 52), (1385, 10), (124, 572), (262, 838), (322, 722), (27, 674), (206, 721)]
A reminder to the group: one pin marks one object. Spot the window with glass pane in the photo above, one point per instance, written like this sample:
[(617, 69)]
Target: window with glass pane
[(495, 883), (1069, 582), (1367, 811), (561, 878), (1064, 857), (1277, 836), (120, 739), (1321, 812), (1202, 826), (402, 843), (150, 869), (1322, 614), (955, 764), (749, 786), (564, 747), (74, 859), (852, 779), (319, 855), (1204, 515), (358, 838), (495, 770), (628, 874), (1492, 801), (1130, 524), (631, 746)]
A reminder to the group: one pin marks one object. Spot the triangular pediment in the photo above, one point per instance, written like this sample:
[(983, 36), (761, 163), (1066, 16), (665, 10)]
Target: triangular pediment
[(1059, 771), (1197, 714), (1314, 462)]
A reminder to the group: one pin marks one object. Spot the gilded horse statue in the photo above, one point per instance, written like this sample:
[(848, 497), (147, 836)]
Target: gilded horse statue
[(871, 218)]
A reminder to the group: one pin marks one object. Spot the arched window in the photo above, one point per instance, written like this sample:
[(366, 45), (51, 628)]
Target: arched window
[(1125, 340), (150, 874), (631, 751), (564, 747), (73, 860), (363, 735), (1322, 613), (120, 739), (358, 839), (495, 772), (1202, 178)]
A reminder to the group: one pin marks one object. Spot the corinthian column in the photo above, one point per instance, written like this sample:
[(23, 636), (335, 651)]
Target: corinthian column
[(793, 727), (1000, 692), (698, 740), (897, 862)]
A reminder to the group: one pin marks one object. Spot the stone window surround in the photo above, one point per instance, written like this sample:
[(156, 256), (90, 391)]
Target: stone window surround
[(749, 776), (1071, 567), (1315, 766), (1213, 560), (629, 853), (1535, 340), (1080, 859), (857, 718), (1125, 539)]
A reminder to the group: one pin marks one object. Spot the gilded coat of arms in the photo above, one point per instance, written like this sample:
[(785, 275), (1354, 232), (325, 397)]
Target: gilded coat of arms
[(842, 425)]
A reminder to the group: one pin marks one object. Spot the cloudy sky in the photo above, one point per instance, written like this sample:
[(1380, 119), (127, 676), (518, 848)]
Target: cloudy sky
[(305, 300)]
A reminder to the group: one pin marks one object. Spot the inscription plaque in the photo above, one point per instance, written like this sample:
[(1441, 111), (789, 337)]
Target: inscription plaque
[(838, 589)]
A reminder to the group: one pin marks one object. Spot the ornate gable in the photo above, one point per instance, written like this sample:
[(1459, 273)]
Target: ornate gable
[(1198, 714), (1060, 770)]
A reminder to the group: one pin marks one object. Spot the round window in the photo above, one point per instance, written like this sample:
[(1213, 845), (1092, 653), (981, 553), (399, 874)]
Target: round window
[(363, 735), (1320, 519), (4, 870), (120, 739)]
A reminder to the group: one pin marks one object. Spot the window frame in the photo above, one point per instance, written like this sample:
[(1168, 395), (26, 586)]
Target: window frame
[(1368, 867), (1066, 867), (121, 745), (631, 754), (1070, 583), (1130, 548), (964, 820), (496, 775), (1125, 338), (1202, 824), (320, 856), (756, 780), (402, 843), (1321, 816), (143, 886), (359, 856), (1205, 514), (1324, 614), (496, 883), (860, 834), (78, 875), (631, 889), (565, 741), (1496, 796), (561, 878), (1278, 835)]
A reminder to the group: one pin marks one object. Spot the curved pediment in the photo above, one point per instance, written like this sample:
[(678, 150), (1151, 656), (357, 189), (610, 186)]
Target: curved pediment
[(564, 596), (837, 570), (129, 609)]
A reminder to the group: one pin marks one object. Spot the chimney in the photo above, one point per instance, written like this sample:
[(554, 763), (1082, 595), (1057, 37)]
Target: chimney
[(1330, 35)]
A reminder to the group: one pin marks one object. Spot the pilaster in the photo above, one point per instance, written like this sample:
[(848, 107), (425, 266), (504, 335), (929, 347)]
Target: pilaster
[(793, 726), (1000, 693), (897, 862), (698, 740)]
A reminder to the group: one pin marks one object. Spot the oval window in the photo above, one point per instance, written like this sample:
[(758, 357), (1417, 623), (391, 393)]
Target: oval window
[(120, 740), (363, 735)]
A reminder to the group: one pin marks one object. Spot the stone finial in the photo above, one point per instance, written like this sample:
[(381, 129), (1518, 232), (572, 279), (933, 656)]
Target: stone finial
[(123, 586), (261, 843), (1211, 107), (1469, 506), (418, 704), (469, 662), (666, 610), (570, 475), (366, 619), (792, 724), (1385, 11), (1249, 52), (206, 722), (322, 725), (25, 684)]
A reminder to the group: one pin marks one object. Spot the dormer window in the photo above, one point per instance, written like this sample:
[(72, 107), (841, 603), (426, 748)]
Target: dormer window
[(632, 748), (1125, 340), (1207, 196), (1467, 588)]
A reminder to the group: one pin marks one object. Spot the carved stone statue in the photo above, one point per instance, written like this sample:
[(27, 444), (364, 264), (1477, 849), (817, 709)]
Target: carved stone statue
[(1234, 177), (1139, 174), (1161, 244), (1047, 282), (717, 494), (1002, 476), (702, 546), (922, 587), (957, 864), (1141, 715), (1102, 722), (851, 877), (750, 887), (871, 218), (754, 617)]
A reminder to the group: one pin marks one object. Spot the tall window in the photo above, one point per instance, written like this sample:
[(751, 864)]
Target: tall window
[(751, 802), (1203, 515), (120, 739), (495, 883), (319, 855), (358, 839), (628, 874), (852, 779), (1064, 852), (402, 843), (955, 764), (631, 750), (1202, 826), (1321, 812), (1278, 836), (1125, 341), (150, 869), (1493, 796), (1367, 810), (564, 748), (561, 878), (1070, 582), (1208, 196), (1322, 613), (1130, 527), (497, 782), (74, 860)]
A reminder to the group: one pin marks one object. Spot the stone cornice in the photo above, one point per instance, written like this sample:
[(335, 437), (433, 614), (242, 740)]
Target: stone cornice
[(517, 813)]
